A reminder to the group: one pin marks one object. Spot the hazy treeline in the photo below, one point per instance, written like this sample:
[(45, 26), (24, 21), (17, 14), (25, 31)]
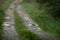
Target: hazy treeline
[(54, 7)]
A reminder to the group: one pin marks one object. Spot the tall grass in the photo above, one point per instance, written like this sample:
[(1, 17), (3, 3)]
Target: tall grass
[(2, 15), (42, 18)]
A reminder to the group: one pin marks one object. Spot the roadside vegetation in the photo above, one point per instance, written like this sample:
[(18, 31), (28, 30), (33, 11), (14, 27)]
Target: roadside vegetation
[(6, 4), (22, 30), (3, 7), (42, 15), (2, 15)]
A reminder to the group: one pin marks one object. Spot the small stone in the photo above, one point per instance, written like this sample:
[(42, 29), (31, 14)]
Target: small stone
[(29, 24), (26, 17), (38, 28), (6, 24), (7, 17), (34, 28)]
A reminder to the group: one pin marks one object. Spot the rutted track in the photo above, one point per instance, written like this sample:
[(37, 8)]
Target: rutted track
[(9, 32)]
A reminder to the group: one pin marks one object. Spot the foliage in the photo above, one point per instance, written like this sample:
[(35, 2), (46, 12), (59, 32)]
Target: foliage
[(53, 6)]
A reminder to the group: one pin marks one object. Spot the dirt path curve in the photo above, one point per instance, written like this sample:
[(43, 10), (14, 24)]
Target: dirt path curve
[(32, 27), (9, 32)]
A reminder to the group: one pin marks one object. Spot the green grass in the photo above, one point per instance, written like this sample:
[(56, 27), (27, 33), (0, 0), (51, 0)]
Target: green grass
[(3, 7), (22, 30), (6, 4), (42, 18), (2, 15)]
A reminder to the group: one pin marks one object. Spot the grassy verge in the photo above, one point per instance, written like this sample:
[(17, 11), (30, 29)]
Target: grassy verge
[(3, 8), (2, 15), (22, 30), (6, 4), (42, 18)]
